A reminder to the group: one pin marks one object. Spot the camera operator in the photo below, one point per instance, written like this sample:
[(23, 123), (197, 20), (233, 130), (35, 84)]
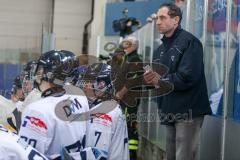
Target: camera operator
[(124, 25)]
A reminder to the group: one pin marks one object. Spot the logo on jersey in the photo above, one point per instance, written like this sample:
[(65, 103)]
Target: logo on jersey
[(70, 106), (33, 121), (102, 118)]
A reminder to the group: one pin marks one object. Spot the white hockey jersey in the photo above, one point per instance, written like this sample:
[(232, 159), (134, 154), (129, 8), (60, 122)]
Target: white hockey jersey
[(14, 148), (42, 129), (108, 132), (6, 108)]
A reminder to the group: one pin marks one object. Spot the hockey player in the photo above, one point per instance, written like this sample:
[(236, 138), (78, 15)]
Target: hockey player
[(17, 93), (106, 131), (9, 113), (12, 147), (17, 98), (23, 85), (40, 126), (31, 93)]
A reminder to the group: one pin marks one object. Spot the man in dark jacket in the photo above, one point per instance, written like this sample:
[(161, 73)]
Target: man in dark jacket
[(184, 108)]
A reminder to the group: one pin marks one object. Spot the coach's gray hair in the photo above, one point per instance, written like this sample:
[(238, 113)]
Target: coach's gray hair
[(133, 40)]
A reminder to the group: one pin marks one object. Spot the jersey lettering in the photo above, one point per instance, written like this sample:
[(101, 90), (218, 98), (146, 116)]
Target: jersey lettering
[(32, 142), (98, 134), (77, 146), (33, 155), (75, 106)]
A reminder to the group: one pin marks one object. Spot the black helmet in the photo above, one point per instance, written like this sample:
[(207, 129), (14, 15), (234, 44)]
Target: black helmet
[(56, 65), (27, 69), (27, 77), (17, 84), (96, 73)]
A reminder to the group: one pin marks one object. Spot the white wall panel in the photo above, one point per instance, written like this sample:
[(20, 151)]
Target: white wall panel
[(97, 27), (21, 23), (69, 19)]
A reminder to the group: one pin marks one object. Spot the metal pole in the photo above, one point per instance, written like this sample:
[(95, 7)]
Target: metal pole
[(188, 16), (42, 39), (52, 17), (152, 39), (226, 79), (205, 18), (98, 45)]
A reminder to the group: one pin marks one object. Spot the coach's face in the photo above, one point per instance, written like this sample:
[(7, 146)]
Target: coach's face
[(165, 24)]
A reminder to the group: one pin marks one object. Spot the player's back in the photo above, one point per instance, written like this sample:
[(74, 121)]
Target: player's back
[(49, 134), (11, 147)]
